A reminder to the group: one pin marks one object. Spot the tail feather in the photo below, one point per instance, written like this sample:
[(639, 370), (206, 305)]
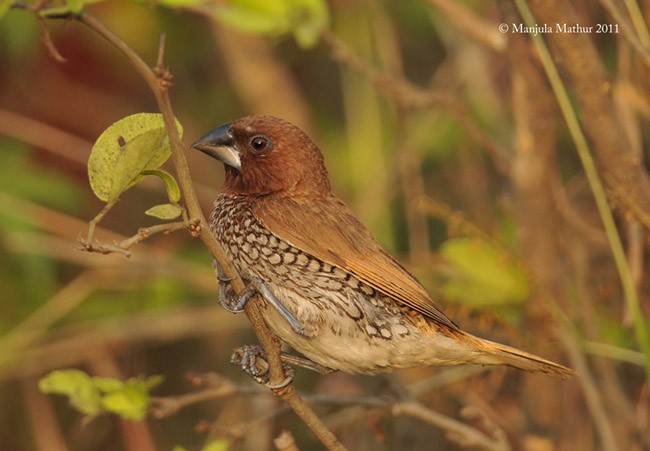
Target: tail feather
[(498, 354)]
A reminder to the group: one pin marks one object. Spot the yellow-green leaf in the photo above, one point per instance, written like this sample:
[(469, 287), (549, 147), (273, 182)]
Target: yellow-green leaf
[(153, 381), (75, 6), (483, 275), (77, 386), (4, 7), (130, 403), (107, 384), (129, 146), (252, 21), (306, 19), (93, 395), (173, 191), (165, 211), (217, 445), (310, 18), (71, 6), (180, 3)]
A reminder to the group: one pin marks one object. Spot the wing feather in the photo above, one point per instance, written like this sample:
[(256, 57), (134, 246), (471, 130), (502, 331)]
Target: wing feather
[(328, 230)]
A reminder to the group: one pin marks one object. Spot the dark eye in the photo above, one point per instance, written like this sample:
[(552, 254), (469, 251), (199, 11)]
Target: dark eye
[(260, 143)]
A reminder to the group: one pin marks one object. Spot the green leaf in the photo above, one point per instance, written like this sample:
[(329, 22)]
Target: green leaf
[(164, 211), (173, 191), (124, 150), (306, 19), (217, 445), (77, 386), (153, 381), (4, 7), (71, 7), (311, 17), (263, 18), (131, 402), (483, 274), (107, 384), (180, 3), (91, 395), (63, 382), (75, 6)]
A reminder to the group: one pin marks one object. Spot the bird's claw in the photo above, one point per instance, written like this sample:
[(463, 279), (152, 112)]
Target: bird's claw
[(252, 360), (222, 277), (232, 303)]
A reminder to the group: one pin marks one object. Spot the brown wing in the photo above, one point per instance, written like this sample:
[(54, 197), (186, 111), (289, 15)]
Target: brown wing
[(328, 230)]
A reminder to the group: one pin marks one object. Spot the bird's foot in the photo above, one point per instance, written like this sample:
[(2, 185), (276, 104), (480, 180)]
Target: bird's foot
[(235, 304), (227, 297), (252, 360)]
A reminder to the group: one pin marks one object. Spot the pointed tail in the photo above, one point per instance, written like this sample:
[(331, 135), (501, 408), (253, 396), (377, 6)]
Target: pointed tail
[(498, 354)]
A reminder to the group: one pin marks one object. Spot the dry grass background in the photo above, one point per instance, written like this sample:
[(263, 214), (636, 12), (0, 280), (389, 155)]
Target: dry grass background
[(434, 126)]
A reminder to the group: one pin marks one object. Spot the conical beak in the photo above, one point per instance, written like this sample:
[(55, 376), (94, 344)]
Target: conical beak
[(220, 144)]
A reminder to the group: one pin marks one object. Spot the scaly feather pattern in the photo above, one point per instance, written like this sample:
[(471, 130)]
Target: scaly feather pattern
[(361, 310)]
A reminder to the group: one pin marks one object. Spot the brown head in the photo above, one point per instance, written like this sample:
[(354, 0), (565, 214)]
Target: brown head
[(266, 155)]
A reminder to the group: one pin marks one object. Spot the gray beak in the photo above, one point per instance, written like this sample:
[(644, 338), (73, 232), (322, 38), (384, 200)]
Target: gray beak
[(220, 144)]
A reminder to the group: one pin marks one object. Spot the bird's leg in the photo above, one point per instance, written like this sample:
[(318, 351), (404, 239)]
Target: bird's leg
[(257, 285), (252, 359), (235, 304), (304, 362)]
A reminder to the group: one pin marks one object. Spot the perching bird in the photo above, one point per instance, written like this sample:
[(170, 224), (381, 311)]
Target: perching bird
[(330, 290)]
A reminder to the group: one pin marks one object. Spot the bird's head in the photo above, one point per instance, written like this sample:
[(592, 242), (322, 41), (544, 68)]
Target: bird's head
[(265, 155)]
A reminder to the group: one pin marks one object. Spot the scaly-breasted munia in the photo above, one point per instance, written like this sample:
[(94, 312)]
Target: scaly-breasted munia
[(330, 290)]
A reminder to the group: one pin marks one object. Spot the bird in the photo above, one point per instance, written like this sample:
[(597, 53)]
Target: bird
[(329, 289)]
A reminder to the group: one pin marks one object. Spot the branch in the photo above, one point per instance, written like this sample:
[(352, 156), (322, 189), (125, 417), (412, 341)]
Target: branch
[(486, 436), (628, 30), (480, 30), (466, 436), (159, 80), (143, 233)]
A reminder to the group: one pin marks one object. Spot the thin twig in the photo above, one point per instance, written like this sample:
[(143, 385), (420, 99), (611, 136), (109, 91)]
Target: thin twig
[(628, 30), (143, 233), (463, 434), (146, 232), (218, 386), (46, 38), (591, 392), (472, 25), (93, 223)]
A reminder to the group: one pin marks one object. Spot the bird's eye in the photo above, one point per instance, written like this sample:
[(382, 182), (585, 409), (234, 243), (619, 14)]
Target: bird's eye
[(260, 143)]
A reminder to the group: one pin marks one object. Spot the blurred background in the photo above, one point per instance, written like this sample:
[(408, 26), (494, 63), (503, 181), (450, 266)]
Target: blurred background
[(440, 132)]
